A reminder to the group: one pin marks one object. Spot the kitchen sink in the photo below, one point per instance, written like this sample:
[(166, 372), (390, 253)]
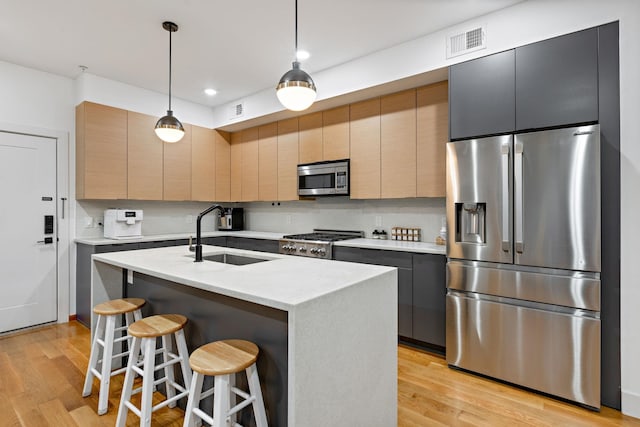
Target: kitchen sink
[(233, 259)]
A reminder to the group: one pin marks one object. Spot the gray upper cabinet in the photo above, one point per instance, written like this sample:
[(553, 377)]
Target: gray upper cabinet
[(557, 81), (482, 96)]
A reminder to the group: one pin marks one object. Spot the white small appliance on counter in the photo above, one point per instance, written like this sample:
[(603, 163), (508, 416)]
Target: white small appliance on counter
[(122, 223)]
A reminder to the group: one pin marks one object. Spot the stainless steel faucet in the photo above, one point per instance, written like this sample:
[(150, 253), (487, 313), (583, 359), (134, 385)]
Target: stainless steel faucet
[(199, 231)]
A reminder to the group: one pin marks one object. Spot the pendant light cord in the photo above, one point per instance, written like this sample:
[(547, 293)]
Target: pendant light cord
[(296, 53), (170, 69)]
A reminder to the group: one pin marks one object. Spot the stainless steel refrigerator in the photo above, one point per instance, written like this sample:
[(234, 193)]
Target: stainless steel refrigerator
[(523, 270)]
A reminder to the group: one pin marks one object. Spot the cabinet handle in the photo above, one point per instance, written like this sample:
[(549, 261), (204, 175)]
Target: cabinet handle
[(63, 199)]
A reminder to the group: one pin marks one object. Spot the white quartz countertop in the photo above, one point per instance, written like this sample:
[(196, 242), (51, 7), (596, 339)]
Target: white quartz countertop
[(283, 282), (389, 245)]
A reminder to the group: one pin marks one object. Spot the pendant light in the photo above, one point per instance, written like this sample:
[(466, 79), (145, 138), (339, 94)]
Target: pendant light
[(296, 90), (169, 128)]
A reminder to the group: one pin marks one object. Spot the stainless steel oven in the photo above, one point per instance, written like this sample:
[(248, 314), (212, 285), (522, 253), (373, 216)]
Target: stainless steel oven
[(324, 178)]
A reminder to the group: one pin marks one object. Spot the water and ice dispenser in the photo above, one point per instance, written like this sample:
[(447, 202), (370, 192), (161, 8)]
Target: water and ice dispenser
[(471, 222)]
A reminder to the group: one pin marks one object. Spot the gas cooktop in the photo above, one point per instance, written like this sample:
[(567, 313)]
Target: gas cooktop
[(316, 244)]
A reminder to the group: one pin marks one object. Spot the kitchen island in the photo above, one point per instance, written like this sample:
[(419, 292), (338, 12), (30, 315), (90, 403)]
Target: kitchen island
[(327, 330)]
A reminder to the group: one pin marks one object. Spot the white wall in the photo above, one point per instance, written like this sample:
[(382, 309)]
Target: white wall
[(158, 217), (97, 89), (339, 213)]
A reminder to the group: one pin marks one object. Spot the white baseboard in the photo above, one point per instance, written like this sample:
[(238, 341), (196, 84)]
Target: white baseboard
[(630, 404)]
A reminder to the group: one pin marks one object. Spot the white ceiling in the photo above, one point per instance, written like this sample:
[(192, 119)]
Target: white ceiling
[(238, 47)]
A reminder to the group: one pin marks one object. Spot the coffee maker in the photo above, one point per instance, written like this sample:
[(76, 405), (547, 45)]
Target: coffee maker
[(232, 220)]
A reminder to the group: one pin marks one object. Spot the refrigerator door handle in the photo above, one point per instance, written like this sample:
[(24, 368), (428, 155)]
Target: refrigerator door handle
[(506, 235), (519, 246)]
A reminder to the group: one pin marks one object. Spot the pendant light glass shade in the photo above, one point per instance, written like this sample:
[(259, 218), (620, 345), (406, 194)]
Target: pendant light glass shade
[(296, 90), (169, 128)]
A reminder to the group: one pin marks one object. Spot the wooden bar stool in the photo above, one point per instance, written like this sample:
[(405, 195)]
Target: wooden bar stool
[(105, 336), (222, 360), (144, 333)]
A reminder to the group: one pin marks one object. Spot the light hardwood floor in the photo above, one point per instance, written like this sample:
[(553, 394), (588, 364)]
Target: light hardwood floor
[(42, 373)]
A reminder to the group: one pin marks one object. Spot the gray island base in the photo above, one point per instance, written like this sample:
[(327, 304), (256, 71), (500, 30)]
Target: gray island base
[(327, 330)]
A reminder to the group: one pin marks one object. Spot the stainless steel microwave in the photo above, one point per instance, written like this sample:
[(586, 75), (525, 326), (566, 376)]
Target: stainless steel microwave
[(324, 178)]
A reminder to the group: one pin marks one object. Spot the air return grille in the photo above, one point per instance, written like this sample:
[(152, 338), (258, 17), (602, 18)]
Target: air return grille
[(464, 42), (236, 111)]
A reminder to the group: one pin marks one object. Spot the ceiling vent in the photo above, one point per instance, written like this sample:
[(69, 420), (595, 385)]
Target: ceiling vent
[(237, 111), (461, 43)]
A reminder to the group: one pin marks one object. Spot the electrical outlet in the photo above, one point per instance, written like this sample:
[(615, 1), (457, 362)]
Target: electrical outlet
[(288, 219), (189, 219), (88, 222), (378, 221)]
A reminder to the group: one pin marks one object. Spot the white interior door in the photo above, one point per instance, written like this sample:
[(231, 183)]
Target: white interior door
[(28, 251)]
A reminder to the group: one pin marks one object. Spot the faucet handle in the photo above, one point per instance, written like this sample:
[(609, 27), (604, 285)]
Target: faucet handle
[(191, 247)]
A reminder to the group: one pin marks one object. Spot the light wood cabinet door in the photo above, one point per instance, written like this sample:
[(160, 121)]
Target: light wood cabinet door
[(101, 152), (235, 153), (398, 145), (288, 159), (365, 149), (268, 162), (310, 138), (144, 158), (177, 168), (432, 115), (203, 164), (250, 164), (335, 133), (223, 166)]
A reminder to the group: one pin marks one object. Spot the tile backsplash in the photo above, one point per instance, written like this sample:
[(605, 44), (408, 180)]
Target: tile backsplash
[(338, 213)]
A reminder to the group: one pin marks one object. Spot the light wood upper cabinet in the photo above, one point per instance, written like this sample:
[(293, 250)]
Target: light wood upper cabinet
[(365, 149), (288, 159), (335, 133), (177, 168), (268, 162), (250, 139), (398, 144), (432, 136), (310, 138), (223, 166), (101, 152), (203, 164), (236, 167), (144, 158)]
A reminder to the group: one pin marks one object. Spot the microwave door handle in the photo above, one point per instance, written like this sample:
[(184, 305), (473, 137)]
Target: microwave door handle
[(519, 187), (506, 235)]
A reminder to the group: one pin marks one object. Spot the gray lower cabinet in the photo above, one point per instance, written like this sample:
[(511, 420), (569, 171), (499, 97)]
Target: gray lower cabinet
[(262, 245), (421, 290), (214, 241), (429, 298), (83, 275)]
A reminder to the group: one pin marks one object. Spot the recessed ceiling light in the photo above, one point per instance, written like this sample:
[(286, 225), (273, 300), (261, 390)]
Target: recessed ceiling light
[(210, 92), (302, 55)]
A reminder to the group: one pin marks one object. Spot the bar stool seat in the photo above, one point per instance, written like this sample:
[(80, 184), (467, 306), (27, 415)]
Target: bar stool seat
[(222, 360), (145, 333), (105, 336)]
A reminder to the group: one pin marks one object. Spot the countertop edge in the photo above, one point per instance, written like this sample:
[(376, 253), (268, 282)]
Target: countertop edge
[(364, 243)]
